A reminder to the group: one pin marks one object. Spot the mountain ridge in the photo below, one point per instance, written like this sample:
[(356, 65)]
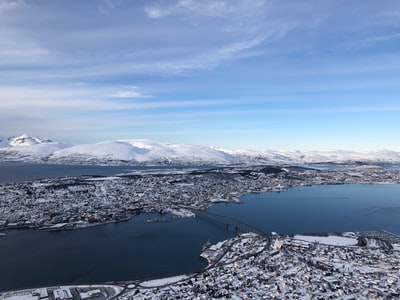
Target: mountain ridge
[(25, 148)]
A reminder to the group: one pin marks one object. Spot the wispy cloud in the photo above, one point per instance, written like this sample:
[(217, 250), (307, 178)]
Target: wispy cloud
[(371, 41), (131, 92), (386, 37), (9, 5), (149, 65), (105, 6), (19, 50), (85, 99), (87, 52), (205, 8)]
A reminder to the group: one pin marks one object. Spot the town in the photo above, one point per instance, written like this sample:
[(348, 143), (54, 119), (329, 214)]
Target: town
[(249, 266), (252, 266), (80, 202)]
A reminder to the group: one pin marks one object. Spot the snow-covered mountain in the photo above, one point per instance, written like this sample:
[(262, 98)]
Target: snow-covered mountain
[(25, 140), (142, 151), (28, 149), (138, 151), (319, 157), (34, 149)]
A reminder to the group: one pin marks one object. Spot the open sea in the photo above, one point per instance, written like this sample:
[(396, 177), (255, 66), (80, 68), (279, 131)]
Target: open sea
[(137, 249)]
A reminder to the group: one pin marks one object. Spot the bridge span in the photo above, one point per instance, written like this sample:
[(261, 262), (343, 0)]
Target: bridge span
[(228, 222)]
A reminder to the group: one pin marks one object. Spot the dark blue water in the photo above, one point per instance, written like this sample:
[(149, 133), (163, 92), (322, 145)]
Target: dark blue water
[(123, 251), (17, 172), (334, 208)]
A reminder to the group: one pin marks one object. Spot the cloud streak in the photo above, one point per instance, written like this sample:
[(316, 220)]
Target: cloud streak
[(204, 8), (130, 92), (164, 66), (10, 5)]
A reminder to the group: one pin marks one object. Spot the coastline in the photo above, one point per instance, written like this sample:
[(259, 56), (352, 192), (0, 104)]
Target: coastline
[(239, 258), (122, 198)]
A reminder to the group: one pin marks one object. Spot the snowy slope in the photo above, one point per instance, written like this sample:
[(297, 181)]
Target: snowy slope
[(26, 141), (312, 157), (141, 151), (138, 151), (27, 148)]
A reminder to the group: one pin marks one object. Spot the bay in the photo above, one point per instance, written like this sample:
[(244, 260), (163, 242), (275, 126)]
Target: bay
[(114, 252), (320, 208)]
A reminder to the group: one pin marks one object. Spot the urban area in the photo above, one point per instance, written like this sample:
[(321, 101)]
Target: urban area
[(251, 265), (73, 203)]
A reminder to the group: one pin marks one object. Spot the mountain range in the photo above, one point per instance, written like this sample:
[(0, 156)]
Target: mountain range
[(26, 148)]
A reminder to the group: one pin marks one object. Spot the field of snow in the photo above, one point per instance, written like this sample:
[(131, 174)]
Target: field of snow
[(163, 281), (333, 240)]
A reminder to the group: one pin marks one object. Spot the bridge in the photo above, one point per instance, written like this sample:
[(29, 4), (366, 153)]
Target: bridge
[(229, 223)]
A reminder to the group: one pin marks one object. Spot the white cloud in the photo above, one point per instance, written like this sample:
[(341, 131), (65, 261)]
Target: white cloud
[(9, 5), (391, 17), (208, 8), (34, 101), (239, 46), (106, 6), (155, 12), (130, 92)]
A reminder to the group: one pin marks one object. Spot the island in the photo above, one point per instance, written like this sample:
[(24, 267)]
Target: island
[(80, 202)]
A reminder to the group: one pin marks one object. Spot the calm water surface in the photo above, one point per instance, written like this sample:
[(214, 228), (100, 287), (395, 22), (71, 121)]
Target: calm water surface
[(123, 251), (323, 208)]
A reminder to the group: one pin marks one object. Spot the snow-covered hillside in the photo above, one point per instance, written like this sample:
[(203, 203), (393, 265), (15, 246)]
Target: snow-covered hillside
[(315, 157), (34, 149), (28, 149), (25, 140), (141, 151)]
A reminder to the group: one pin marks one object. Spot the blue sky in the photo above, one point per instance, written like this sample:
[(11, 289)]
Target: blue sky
[(255, 74)]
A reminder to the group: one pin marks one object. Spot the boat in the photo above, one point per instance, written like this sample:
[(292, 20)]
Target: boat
[(2, 234)]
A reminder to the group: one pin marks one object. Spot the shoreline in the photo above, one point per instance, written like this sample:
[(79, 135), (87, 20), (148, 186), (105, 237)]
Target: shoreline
[(250, 247), (93, 200)]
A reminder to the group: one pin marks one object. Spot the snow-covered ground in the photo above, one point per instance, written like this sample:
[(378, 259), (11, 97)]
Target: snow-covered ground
[(138, 151), (163, 281), (103, 178), (333, 240), (182, 213)]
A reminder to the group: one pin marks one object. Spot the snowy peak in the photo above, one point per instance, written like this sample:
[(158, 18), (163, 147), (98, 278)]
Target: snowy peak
[(28, 149), (26, 141), (25, 148)]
